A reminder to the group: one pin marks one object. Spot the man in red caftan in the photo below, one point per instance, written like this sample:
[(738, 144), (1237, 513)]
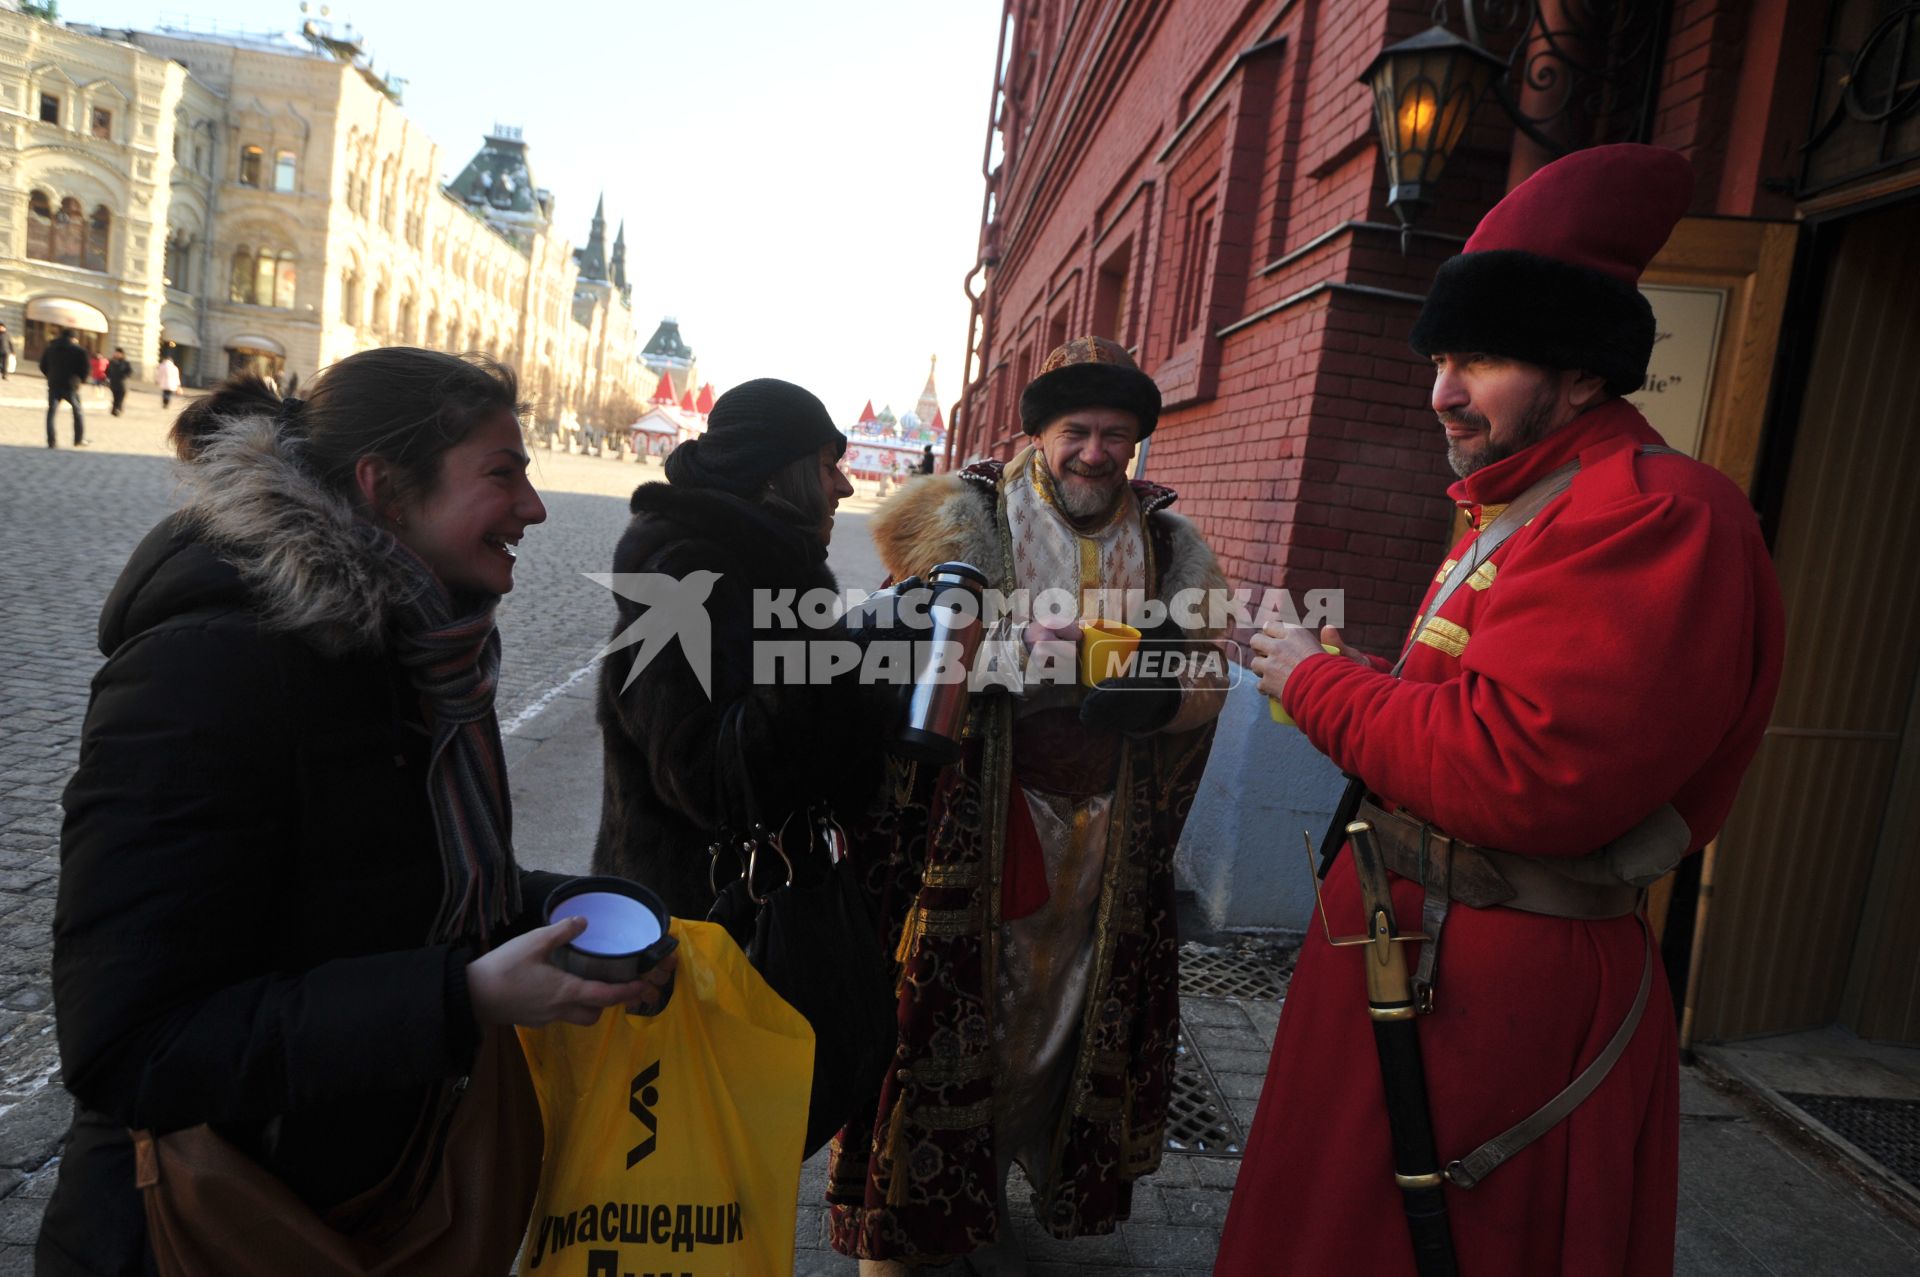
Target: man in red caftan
[(1619, 652)]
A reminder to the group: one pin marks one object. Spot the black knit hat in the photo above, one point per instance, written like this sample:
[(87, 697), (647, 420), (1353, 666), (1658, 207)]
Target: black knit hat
[(754, 429), (1089, 372), (1551, 274)]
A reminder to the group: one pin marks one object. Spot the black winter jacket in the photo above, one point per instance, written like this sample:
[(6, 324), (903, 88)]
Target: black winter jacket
[(249, 873), (66, 364), (681, 765)]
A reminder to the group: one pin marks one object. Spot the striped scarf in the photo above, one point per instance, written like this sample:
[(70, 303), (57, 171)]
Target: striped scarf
[(454, 663)]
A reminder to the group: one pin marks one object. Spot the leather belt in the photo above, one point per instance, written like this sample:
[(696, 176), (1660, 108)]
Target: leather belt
[(1481, 878), (1587, 887)]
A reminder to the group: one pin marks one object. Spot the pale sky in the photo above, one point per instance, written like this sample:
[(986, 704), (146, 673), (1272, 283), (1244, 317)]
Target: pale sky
[(800, 178)]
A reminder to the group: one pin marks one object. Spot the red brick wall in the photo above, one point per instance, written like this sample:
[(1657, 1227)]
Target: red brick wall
[(1705, 40), (1297, 431)]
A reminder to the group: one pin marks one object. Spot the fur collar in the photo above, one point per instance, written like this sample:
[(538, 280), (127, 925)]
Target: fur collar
[(312, 566), (939, 517), (751, 533)]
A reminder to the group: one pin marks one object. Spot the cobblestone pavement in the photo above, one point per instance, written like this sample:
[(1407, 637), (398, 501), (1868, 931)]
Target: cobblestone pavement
[(69, 520)]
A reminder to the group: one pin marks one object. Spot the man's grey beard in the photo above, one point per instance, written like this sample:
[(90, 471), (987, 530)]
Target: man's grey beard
[(1083, 500), (1536, 423)]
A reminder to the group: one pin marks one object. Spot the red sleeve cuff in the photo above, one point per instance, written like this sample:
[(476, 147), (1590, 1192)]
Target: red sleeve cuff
[(1300, 683)]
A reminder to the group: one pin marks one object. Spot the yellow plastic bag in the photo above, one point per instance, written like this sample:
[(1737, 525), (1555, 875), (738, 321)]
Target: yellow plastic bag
[(673, 1142)]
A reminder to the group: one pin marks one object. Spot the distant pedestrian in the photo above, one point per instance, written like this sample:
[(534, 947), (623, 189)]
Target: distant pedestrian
[(65, 364), (926, 460), (166, 375), (6, 354), (118, 370)]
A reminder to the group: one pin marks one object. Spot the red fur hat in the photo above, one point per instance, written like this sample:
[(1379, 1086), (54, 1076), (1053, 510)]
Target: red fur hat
[(1551, 275)]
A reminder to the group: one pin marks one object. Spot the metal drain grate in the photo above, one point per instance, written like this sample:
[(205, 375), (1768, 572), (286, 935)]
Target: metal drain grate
[(1198, 1121), (1229, 973), (1886, 1130)]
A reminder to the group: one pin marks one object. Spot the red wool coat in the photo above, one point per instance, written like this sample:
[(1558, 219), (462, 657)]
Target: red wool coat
[(1622, 652)]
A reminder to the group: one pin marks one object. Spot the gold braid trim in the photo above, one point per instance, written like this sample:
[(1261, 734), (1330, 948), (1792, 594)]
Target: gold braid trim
[(960, 1119), (1446, 636), (947, 1072)]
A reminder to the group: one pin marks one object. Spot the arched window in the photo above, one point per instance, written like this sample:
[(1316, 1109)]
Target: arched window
[(380, 319), (40, 226), (69, 232), (252, 158), (283, 171), (240, 276), (386, 195), (93, 249), (350, 296), (263, 279), (67, 235), (179, 260), (405, 329)]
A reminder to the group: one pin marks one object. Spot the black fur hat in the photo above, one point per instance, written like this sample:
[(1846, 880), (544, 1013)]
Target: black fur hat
[(1551, 275), (1089, 372)]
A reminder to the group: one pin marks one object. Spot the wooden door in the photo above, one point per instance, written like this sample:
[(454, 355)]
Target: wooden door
[(1817, 865)]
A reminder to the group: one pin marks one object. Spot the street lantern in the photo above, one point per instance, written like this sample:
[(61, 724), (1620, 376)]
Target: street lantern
[(1424, 92)]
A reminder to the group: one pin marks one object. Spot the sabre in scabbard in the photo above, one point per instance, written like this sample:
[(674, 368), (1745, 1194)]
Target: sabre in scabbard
[(1392, 1010)]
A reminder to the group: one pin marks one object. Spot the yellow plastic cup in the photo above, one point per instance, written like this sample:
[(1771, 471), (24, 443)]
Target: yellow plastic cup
[(1105, 647), (1278, 712)]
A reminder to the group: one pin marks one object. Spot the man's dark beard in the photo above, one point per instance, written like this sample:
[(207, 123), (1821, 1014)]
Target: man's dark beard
[(1083, 501), (1535, 424)]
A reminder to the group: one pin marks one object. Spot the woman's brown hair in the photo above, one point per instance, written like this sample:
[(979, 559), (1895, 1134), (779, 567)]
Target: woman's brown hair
[(400, 403), (794, 490)]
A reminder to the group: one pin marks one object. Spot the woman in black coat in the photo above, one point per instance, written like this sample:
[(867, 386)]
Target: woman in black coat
[(746, 512), (288, 903)]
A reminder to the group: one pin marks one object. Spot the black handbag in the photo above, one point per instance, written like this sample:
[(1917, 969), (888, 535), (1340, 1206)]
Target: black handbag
[(799, 911)]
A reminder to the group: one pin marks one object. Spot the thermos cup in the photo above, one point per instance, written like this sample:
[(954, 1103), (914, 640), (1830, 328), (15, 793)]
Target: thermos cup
[(626, 928), (937, 700)]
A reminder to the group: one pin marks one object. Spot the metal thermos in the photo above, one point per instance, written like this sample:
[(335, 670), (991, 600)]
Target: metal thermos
[(937, 700)]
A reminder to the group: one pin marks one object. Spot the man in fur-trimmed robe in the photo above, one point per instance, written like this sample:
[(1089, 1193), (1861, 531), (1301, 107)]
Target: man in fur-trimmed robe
[(1030, 884)]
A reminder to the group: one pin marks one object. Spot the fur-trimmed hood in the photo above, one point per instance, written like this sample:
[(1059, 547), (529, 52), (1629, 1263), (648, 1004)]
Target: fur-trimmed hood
[(255, 530), (936, 518)]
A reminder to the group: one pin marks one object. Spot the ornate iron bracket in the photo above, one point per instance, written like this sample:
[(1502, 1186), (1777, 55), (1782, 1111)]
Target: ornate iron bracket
[(1866, 95), (1579, 72)]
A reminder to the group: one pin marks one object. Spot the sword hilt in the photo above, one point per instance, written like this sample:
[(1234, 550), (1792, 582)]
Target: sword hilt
[(1389, 986), (1376, 923)]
